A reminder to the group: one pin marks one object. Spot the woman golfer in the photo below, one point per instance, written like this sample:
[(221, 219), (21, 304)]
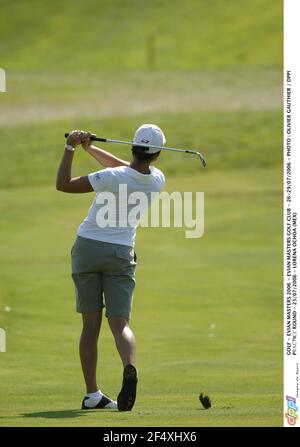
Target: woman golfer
[(103, 258)]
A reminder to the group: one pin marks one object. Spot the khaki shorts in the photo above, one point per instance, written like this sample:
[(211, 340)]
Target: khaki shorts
[(104, 276)]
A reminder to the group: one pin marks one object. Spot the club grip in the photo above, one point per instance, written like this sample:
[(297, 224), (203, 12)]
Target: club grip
[(92, 138)]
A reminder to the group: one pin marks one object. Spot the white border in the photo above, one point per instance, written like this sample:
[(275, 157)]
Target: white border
[(2, 81), (292, 64), (2, 340)]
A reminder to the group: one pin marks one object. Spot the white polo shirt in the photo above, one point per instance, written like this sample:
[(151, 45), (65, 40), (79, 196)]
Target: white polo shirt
[(118, 205)]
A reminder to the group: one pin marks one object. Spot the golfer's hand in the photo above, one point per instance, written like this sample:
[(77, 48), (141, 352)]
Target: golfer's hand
[(86, 139), (75, 137)]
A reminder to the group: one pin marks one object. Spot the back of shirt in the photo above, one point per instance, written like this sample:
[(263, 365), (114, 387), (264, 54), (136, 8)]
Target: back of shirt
[(122, 197)]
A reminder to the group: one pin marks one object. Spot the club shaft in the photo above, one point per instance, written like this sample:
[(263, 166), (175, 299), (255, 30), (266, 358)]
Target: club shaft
[(130, 143), (162, 148)]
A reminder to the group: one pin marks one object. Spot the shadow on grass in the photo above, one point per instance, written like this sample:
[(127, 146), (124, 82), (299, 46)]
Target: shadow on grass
[(59, 414)]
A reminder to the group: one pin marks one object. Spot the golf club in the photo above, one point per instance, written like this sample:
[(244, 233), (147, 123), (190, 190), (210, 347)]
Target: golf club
[(187, 151)]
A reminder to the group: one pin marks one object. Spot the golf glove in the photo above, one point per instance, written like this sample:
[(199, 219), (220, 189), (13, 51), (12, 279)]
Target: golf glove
[(75, 138)]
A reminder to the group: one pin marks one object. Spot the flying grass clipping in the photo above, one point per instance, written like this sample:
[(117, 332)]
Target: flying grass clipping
[(205, 401)]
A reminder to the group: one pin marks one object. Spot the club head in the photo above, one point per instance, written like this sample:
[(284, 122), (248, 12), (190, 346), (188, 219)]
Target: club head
[(202, 159)]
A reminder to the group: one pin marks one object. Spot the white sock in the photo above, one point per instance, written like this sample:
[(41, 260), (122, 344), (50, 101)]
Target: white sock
[(95, 395)]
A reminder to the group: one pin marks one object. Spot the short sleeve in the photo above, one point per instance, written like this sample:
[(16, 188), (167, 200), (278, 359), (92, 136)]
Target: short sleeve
[(101, 180), (159, 179), (162, 180)]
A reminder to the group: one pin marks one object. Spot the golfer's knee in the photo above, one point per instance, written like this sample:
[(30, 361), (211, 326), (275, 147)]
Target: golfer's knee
[(117, 324), (90, 331), (91, 324)]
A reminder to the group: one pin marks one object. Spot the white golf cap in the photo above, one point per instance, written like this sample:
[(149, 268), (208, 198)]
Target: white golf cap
[(149, 134)]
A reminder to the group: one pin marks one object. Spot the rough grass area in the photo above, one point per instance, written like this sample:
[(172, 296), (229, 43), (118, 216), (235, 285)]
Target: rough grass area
[(68, 35)]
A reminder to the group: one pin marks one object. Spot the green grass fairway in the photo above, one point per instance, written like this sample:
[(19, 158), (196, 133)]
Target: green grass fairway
[(103, 34), (230, 278), (207, 312)]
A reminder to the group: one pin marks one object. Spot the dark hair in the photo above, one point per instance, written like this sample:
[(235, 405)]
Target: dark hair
[(141, 154)]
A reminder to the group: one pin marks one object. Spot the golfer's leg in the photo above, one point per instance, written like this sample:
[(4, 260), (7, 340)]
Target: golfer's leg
[(88, 348), (124, 338)]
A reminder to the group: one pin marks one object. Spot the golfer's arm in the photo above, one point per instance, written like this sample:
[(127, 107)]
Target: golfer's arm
[(64, 180), (106, 159)]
